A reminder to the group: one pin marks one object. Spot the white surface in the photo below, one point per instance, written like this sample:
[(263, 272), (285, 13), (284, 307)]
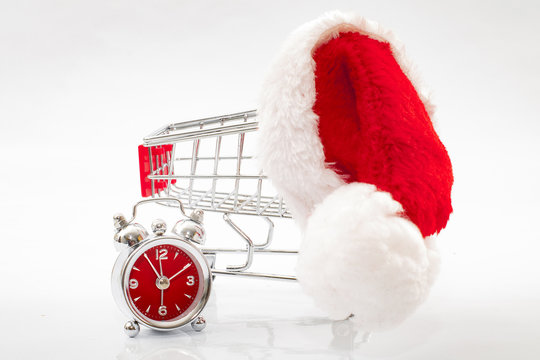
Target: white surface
[(82, 82)]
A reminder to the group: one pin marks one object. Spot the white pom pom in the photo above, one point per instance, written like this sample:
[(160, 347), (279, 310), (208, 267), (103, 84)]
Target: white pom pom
[(360, 256)]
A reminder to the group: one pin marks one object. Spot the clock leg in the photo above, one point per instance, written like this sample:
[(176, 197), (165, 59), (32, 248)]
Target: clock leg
[(198, 324), (132, 328)]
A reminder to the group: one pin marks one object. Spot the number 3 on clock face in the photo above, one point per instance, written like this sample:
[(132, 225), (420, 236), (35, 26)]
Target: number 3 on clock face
[(166, 283)]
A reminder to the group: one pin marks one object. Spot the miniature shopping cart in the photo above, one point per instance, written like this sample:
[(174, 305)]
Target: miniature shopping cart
[(208, 164)]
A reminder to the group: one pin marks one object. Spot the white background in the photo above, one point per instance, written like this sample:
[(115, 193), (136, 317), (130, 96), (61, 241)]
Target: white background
[(81, 82)]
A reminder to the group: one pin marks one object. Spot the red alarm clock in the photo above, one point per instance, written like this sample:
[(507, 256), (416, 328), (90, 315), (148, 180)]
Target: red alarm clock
[(161, 281)]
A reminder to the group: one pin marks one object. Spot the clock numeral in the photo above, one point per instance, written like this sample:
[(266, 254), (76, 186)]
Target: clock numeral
[(191, 280), (162, 310), (161, 254), (133, 284)]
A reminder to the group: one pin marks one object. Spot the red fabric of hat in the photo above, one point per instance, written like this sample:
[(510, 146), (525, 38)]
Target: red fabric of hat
[(375, 129)]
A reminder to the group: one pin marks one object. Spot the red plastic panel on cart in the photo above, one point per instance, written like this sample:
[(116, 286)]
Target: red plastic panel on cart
[(160, 155)]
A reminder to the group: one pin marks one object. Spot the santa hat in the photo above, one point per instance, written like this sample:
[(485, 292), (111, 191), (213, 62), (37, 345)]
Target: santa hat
[(346, 138)]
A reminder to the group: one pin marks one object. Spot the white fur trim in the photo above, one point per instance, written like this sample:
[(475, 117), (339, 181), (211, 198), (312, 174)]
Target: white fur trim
[(290, 150), (360, 256)]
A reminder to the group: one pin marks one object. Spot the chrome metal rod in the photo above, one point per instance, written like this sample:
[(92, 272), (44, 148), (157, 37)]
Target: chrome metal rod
[(214, 119), (151, 170), (249, 245), (205, 204), (200, 134), (240, 150), (194, 155), (223, 197), (157, 200), (160, 131), (216, 163), (167, 177), (170, 167), (258, 251), (259, 193), (213, 157), (269, 236), (255, 275)]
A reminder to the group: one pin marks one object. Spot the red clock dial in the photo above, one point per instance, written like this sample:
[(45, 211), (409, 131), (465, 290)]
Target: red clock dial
[(163, 282)]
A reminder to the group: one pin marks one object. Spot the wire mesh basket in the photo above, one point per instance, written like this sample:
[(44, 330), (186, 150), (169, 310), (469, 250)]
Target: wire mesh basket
[(209, 164)]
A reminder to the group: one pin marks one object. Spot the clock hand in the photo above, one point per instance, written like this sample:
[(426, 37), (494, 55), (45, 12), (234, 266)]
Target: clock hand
[(178, 273), (160, 268), (152, 265)]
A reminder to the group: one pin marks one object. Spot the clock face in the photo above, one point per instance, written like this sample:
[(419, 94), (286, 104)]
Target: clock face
[(164, 283)]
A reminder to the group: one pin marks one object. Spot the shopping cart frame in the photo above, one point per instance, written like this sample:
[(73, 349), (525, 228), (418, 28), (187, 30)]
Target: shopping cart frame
[(159, 179)]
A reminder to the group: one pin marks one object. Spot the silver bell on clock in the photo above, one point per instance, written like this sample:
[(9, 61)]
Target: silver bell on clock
[(127, 234), (191, 229)]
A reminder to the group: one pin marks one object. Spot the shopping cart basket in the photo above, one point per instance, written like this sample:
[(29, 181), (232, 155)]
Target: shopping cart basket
[(208, 165)]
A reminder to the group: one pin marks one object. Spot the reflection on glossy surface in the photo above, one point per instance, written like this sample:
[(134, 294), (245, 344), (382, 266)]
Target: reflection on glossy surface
[(137, 349), (256, 338)]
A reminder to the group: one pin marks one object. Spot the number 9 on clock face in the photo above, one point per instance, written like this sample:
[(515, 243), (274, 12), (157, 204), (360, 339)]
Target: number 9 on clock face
[(165, 282)]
